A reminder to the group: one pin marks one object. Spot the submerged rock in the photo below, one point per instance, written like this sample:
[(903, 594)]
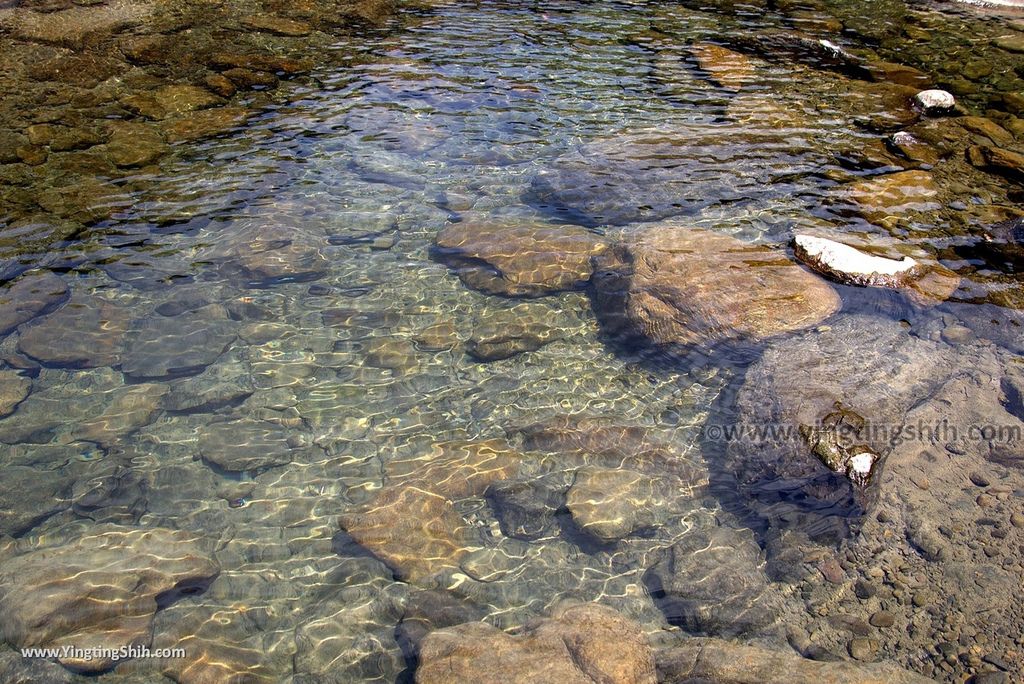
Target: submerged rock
[(712, 581), (171, 346), (792, 46), (577, 644), (610, 504), (30, 496), (882, 198), (725, 662), (171, 100), (245, 445), (674, 285), (638, 176), (412, 524), (814, 404), (13, 390), (100, 590), (1004, 241), (607, 442), (726, 68), (505, 334), (519, 260), (270, 254), (131, 408), (87, 332), (30, 295), (851, 266), (528, 509)]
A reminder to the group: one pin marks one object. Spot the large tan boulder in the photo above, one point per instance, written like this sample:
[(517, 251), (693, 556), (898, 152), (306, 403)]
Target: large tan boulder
[(412, 524), (519, 259), (580, 644), (674, 285), (98, 591)]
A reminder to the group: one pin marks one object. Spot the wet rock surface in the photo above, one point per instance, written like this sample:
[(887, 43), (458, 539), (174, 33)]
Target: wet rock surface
[(580, 643), (412, 524), (816, 417), (13, 390), (99, 591), (336, 359), (519, 260), (85, 333), (686, 286), (709, 582), (721, 661), (168, 346), (30, 295)]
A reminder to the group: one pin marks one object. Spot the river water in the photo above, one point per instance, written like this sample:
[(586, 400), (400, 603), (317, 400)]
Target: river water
[(257, 344)]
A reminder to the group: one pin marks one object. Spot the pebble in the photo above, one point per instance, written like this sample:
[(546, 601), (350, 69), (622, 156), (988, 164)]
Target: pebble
[(832, 571), (882, 619), (979, 479), (921, 481), (984, 500), (864, 589), (1017, 520), (862, 648), (934, 101)]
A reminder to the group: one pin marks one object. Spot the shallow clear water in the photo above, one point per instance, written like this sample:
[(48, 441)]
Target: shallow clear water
[(262, 366)]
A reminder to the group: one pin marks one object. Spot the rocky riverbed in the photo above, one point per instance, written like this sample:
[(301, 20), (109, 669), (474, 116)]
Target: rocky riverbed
[(350, 341)]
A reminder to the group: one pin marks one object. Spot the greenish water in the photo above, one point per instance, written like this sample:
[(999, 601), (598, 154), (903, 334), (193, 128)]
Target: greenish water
[(261, 339)]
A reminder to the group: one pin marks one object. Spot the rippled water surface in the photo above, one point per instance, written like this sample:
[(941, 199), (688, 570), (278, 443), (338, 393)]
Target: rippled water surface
[(263, 352)]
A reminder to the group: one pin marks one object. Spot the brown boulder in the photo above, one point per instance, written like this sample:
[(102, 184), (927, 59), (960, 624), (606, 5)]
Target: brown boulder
[(519, 260), (206, 123), (677, 285), (97, 591), (882, 198), (724, 67), (13, 390), (277, 25), (30, 295), (171, 100), (87, 332), (504, 334), (412, 524), (579, 644), (610, 504)]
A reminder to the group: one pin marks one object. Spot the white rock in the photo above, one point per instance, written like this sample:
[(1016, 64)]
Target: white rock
[(849, 264), (934, 101)]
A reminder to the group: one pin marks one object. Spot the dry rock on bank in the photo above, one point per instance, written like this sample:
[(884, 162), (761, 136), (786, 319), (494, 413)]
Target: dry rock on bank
[(851, 266), (99, 591), (674, 285), (519, 260), (577, 644)]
